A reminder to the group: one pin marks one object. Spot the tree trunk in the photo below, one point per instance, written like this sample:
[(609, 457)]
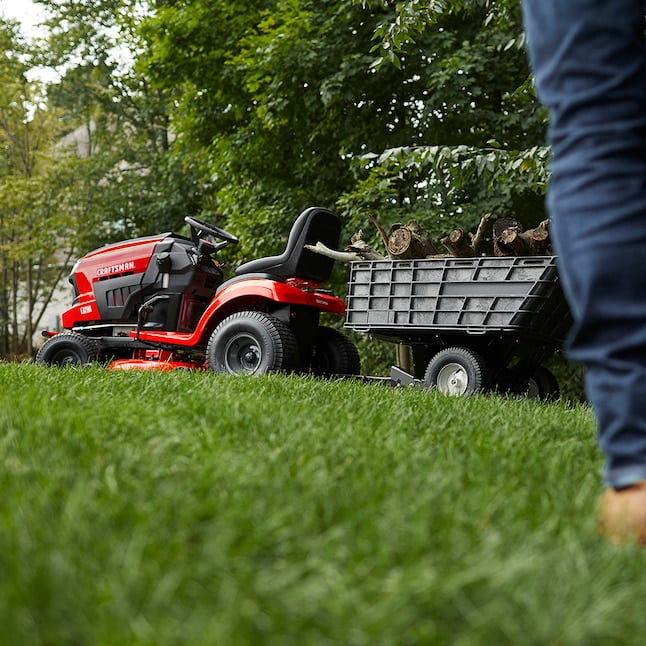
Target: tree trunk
[(29, 330), (13, 347), (4, 309)]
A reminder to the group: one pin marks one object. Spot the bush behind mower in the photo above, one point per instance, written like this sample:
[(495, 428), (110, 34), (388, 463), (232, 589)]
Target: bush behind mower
[(161, 302)]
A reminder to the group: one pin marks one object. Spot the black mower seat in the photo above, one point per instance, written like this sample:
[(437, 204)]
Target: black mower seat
[(312, 225)]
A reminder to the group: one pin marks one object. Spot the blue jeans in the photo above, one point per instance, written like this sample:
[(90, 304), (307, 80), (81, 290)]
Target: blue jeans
[(589, 60)]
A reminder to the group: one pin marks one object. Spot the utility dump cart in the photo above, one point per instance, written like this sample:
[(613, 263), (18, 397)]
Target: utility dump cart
[(472, 324)]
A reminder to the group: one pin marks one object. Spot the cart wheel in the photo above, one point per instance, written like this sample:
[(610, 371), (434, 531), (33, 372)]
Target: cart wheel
[(247, 343), (334, 353), (457, 371), (68, 349), (539, 383)]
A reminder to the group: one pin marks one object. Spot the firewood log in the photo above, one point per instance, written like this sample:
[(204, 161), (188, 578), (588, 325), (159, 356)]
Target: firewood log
[(505, 227), (478, 237), (513, 241), (538, 239), (350, 254), (456, 242), (410, 240), (382, 232)]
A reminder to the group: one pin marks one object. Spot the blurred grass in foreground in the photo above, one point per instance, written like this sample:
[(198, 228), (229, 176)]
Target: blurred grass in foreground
[(193, 508)]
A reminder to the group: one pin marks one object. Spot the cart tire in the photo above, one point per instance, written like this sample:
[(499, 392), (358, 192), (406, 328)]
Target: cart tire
[(334, 353), (540, 383), (248, 343), (457, 371), (68, 349)]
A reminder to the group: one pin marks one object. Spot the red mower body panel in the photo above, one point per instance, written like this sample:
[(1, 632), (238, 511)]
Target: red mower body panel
[(247, 294), (115, 261), (153, 364), (112, 283)]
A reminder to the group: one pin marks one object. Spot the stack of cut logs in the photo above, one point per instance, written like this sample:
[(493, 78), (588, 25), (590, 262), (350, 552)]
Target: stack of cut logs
[(410, 240)]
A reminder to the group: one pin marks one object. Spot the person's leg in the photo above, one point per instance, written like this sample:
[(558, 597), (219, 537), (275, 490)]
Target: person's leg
[(589, 60)]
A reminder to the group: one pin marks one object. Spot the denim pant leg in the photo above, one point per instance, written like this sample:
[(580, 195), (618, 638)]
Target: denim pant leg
[(589, 60)]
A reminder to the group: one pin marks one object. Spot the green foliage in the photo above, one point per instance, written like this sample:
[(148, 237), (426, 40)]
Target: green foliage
[(479, 148), (447, 187), (287, 110), (413, 17), (33, 222), (207, 509), (277, 105), (145, 184), (92, 32), (86, 162)]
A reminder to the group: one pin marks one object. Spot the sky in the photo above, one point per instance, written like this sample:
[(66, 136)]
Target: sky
[(24, 11), (29, 15)]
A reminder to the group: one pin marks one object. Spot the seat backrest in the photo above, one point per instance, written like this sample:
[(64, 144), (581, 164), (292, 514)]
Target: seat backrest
[(313, 225)]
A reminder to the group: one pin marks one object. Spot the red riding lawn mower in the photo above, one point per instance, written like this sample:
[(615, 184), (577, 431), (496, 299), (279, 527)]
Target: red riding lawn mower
[(161, 302)]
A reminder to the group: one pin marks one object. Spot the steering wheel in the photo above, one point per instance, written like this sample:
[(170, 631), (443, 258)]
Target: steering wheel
[(211, 230)]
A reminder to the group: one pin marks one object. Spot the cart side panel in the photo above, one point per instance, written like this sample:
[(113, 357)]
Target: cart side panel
[(520, 296)]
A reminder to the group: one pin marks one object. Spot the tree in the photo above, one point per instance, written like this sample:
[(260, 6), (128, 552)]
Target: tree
[(33, 221), (480, 146), (288, 106), (144, 185), (281, 96)]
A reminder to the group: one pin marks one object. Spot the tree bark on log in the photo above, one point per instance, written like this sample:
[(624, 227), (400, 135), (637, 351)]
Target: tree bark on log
[(456, 242), (382, 232), (504, 226), (410, 241), (478, 238), (513, 241), (538, 239)]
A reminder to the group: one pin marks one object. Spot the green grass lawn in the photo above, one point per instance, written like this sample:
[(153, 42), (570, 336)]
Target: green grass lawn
[(186, 508)]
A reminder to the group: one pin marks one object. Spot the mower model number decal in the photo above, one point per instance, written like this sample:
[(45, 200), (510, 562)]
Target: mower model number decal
[(115, 269), (86, 309)]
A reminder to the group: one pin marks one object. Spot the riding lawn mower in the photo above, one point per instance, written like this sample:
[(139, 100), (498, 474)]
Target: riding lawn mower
[(162, 302)]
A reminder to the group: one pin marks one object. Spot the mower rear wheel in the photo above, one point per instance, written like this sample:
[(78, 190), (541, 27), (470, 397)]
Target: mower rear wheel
[(248, 343), (68, 349), (334, 353)]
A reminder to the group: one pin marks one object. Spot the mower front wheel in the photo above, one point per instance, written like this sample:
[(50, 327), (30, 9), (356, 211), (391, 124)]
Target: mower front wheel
[(68, 349), (247, 343)]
